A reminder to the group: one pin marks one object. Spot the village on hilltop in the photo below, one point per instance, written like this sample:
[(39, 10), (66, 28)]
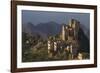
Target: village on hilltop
[(70, 43), (66, 41)]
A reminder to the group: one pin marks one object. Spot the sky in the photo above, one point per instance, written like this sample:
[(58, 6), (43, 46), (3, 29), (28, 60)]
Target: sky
[(36, 17)]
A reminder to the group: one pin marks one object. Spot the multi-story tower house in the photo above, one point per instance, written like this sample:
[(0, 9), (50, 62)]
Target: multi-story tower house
[(70, 35), (70, 31)]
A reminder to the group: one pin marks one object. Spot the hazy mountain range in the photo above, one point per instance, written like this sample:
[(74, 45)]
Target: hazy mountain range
[(43, 29), (47, 29)]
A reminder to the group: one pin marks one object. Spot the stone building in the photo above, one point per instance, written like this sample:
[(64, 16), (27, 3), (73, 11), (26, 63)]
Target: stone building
[(68, 36), (70, 31)]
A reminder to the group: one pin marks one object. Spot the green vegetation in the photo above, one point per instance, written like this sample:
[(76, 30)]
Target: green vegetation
[(34, 48)]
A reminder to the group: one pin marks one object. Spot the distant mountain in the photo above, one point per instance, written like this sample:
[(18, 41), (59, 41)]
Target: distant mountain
[(85, 30), (83, 40), (42, 29), (28, 28), (49, 28)]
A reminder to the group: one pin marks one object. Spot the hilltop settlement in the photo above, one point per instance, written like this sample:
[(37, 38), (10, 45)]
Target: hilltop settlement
[(69, 44)]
